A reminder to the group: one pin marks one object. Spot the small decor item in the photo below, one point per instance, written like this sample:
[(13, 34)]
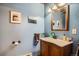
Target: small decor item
[(52, 35), (42, 35), (64, 37), (15, 17), (32, 19)]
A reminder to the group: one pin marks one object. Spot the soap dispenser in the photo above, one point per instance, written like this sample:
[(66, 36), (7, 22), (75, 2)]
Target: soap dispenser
[(64, 37)]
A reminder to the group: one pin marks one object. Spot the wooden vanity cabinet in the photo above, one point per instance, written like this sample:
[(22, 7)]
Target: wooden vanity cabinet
[(54, 50), (44, 48), (50, 49)]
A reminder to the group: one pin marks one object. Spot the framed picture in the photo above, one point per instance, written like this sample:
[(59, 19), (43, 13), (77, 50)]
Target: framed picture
[(32, 19), (15, 17)]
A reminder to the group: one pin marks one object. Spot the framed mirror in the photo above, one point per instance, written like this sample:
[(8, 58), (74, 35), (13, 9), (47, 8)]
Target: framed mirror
[(60, 19)]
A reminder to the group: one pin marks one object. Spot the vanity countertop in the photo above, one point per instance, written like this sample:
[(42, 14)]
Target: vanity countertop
[(58, 42)]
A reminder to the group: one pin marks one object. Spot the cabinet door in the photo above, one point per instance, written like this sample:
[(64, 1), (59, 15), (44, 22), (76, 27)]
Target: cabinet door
[(54, 50), (44, 48), (67, 50)]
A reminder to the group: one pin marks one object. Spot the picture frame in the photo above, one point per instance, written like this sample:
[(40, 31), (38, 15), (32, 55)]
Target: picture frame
[(62, 23), (15, 17), (32, 19)]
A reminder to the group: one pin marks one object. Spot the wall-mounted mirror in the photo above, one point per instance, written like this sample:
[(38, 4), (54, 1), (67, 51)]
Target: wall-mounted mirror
[(60, 18)]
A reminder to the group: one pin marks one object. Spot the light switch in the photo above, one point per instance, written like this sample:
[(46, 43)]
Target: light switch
[(74, 31)]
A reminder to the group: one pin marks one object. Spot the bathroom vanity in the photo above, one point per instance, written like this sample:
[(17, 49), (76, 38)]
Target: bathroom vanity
[(55, 47)]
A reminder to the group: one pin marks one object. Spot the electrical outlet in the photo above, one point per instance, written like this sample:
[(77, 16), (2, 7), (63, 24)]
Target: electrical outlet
[(74, 31)]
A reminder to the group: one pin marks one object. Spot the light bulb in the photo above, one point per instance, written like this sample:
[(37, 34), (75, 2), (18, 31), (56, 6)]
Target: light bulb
[(61, 4), (49, 10), (54, 7)]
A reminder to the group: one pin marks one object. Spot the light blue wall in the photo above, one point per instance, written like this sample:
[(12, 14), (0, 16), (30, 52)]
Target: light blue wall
[(73, 21), (24, 31)]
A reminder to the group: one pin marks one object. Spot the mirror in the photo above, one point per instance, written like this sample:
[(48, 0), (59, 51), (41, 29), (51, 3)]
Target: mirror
[(60, 18)]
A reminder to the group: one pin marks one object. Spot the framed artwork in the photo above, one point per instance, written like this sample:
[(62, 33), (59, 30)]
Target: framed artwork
[(32, 19), (15, 17)]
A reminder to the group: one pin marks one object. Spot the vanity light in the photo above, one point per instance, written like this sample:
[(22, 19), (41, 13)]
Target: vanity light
[(54, 7), (61, 4), (49, 10)]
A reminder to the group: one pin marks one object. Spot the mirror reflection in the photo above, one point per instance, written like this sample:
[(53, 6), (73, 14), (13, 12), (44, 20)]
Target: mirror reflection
[(60, 18)]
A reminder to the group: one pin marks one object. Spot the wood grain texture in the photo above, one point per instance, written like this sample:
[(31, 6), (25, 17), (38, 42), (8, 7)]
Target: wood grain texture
[(50, 49)]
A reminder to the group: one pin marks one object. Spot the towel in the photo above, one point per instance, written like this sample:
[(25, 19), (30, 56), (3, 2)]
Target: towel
[(36, 39)]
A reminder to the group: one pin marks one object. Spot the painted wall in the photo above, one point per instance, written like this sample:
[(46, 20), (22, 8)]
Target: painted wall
[(24, 31), (73, 22)]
